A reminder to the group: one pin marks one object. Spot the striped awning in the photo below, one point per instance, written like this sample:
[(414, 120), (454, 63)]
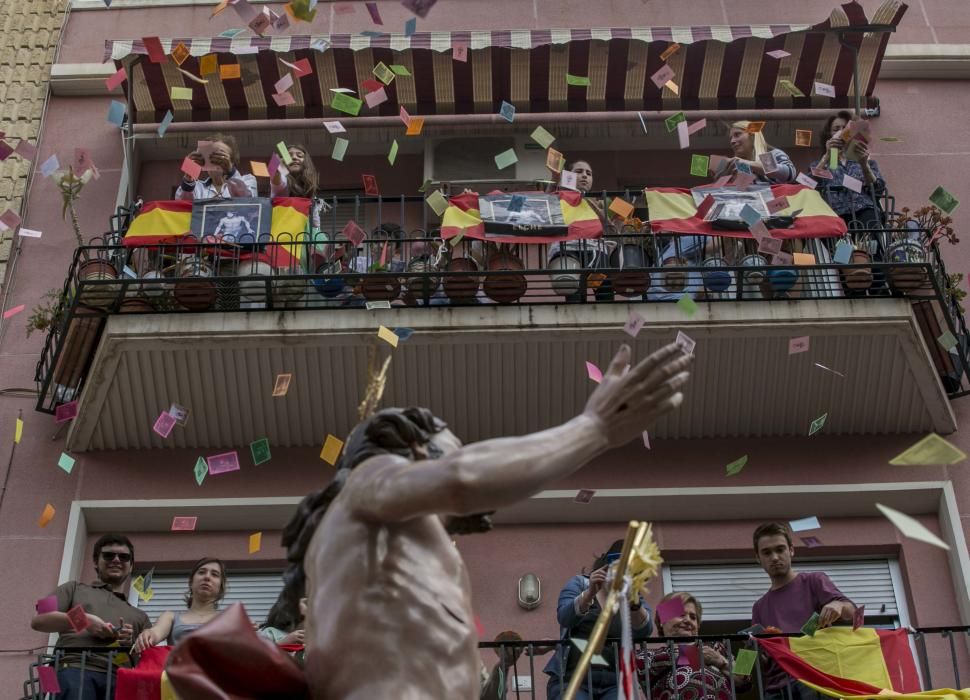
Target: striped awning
[(717, 67)]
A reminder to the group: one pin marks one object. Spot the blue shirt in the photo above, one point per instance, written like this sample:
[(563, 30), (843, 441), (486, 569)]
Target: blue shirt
[(843, 200)]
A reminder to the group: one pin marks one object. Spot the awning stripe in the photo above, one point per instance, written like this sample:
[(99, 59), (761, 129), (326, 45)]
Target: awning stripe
[(717, 67)]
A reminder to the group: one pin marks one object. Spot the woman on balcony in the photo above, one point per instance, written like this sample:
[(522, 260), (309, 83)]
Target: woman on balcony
[(207, 586), (223, 180), (678, 674), (752, 153), (299, 179), (580, 603), (857, 209)]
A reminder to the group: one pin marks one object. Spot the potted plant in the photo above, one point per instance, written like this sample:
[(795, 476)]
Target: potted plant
[(379, 288), (89, 269), (910, 244), (50, 312)]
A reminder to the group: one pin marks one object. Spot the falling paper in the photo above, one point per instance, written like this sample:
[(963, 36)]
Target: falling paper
[(18, 431), (804, 179), (505, 159), (944, 200), (184, 523), (797, 345), (744, 662), (947, 340), (415, 126), (459, 51), (46, 605), (584, 495), (594, 372), (65, 412), (392, 154), (116, 113), (346, 103), (331, 449), (817, 424), (621, 207), (930, 450), (78, 618), (164, 424), (116, 79), (387, 335), (258, 169), (542, 137), (911, 528), (671, 122), (687, 305), (165, 123), (810, 523), (181, 93), (736, 466), (811, 625), (803, 137), (669, 51), (507, 111), (340, 149), (437, 202), (255, 542), (633, 324), (375, 13), (282, 384), (577, 80), (260, 451), (191, 168), (222, 463), (48, 680), (683, 139), (824, 89), (46, 515), (662, 76), (851, 183), (66, 462), (811, 542), (791, 88), (670, 609), (778, 53), (335, 127), (200, 470)]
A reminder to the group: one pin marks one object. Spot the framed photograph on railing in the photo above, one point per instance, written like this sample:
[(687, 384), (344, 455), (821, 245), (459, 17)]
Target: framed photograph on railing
[(243, 221), (525, 214)]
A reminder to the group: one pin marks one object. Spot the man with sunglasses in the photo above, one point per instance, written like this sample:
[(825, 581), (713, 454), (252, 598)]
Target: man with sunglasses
[(111, 621)]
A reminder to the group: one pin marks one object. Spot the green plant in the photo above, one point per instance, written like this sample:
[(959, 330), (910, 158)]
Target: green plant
[(955, 291), (929, 218), (48, 313)]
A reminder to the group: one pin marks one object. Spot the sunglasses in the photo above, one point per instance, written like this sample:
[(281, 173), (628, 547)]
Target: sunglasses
[(123, 557)]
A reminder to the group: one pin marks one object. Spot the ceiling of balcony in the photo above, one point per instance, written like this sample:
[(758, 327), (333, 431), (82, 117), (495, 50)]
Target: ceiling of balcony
[(499, 370)]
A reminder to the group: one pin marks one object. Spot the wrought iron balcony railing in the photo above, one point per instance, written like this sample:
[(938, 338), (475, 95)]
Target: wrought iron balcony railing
[(939, 654), (392, 268)]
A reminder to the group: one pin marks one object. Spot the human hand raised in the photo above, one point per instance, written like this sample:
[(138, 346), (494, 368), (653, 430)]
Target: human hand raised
[(625, 403), (597, 580), (835, 142)]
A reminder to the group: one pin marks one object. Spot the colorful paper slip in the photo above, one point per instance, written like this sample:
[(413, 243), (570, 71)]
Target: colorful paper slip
[(165, 123), (415, 126), (334, 127), (791, 88), (66, 462), (621, 208), (633, 324), (46, 515), (340, 148), (258, 169), (229, 71), (383, 73), (331, 449), (687, 305), (594, 372), (945, 201), (699, 165), (438, 202), (809, 523), (542, 137), (911, 528), (18, 430), (120, 76), (282, 384), (78, 618), (346, 104), (181, 93), (736, 466), (507, 111), (670, 609), (577, 80), (930, 450), (392, 153), (744, 662), (46, 605), (179, 413), (222, 463), (191, 168), (671, 122), (376, 98), (255, 542), (584, 495), (116, 113), (686, 342), (803, 137), (817, 424), (164, 424), (184, 523), (777, 53), (388, 336), (798, 345), (506, 158), (200, 470), (260, 451), (811, 542), (65, 412), (811, 625)]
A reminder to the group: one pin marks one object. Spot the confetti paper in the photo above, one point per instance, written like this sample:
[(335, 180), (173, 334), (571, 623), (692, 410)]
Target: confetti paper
[(621, 208), (346, 103), (662, 76), (594, 372), (736, 466), (388, 336), (671, 122), (669, 51), (778, 53), (824, 89), (584, 495), (255, 542), (542, 137), (260, 451), (686, 342), (437, 202), (229, 71), (811, 542), (670, 609), (392, 153), (459, 51), (66, 462), (415, 126), (687, 305), (930, 450), (282, 384), (331, 449), (791, 88), (945, 201), (165, 123), (78, 618), (577, 80), (200, 470), (810, 523), (911, 528), (222, 463), (164, 424), (506, 158), (46, 515), (65, 412), (116, 113), (184, 523), (744, 662), (798, 345), (120, 76), (633, 324), (803, 137), (817, 424), (48, 680), (18, 430), (258, 169), (335, 127), (507, 111), (46, 605), (181, 93), (340, 148), (699, 165)]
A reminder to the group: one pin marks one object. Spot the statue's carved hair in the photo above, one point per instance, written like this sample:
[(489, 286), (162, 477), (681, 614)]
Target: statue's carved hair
[(389, 431)]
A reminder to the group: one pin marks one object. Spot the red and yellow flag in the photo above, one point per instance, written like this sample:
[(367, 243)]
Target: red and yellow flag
[(170, 221), (148, 680), (672, 210), (863, 663), (462, 216)]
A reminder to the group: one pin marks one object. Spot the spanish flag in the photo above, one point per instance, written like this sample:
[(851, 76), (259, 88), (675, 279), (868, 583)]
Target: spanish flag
[(170, 221), (672, 210), (864, 663), (462, 217)]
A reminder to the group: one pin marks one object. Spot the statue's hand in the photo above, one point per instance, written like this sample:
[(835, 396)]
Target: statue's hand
[(626, 402)]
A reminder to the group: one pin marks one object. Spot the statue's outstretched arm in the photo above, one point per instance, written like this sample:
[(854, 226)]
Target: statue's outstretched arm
[(491, 474)]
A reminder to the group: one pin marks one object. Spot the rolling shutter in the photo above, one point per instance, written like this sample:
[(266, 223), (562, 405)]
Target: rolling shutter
[(727, 591), (257, 591)]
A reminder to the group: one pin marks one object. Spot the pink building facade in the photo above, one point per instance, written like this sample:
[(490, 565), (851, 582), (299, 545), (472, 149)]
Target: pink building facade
[(702, 518)]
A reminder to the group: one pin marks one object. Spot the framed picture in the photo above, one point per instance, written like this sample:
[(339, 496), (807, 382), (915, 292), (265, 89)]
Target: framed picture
[(243, 221), (532, 214)]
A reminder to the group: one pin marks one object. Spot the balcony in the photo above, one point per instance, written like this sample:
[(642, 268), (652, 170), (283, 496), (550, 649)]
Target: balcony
[(501, 337), (938, 653)]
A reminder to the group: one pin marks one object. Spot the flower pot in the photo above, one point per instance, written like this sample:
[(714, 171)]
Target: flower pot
[(860, 278), (675, 280), (633, 280), (462, 288), (782, 279), (908, 279), (564, 282), (100, 296), (252, 290), (328, 287), (195, 290), (380, 288), (134, 305), (717, 280), (505, 289)]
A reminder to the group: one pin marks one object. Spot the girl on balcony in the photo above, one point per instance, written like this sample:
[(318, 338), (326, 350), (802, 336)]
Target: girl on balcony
[(857, 209), (768, 165), (207, 586), (223, 180), (299, 179)]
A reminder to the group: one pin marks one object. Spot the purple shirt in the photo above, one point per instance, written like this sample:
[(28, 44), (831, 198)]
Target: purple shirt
[(789, 607)]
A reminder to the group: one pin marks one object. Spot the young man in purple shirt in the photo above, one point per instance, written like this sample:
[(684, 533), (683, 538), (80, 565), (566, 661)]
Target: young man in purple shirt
[(790, 602)]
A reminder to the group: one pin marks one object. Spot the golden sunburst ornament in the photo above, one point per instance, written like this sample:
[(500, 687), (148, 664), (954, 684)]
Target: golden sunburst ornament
[(376, 381)]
